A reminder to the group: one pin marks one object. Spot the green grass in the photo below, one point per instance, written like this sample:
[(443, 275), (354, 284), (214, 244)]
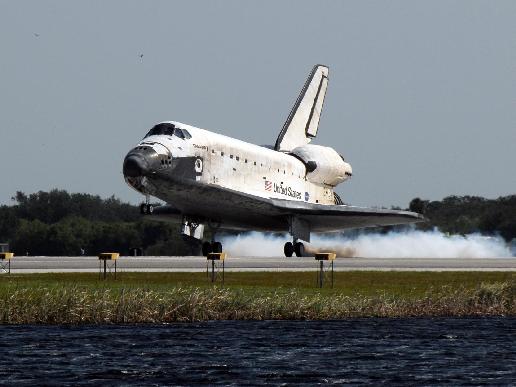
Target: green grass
[(161, 297), (348, 283)]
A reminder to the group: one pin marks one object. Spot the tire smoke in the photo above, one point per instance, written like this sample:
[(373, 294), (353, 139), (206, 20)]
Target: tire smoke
[(409, 244)]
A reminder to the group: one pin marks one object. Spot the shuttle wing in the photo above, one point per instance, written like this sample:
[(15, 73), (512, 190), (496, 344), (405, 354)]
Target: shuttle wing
[(303, 120), (328, 218), (243, 211)]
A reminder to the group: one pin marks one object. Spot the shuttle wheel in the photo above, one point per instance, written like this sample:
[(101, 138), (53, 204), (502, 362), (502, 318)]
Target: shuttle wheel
[(206, 248), (146, 209), (216, 247), (299, 249), (288, 249)]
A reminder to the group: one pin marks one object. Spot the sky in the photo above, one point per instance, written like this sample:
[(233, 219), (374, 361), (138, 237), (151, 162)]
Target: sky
[(421, 98)]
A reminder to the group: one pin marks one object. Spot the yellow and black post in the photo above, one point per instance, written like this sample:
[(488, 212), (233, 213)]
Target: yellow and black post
[(104, 257), (321, 257), (213, 257), (5, 262)]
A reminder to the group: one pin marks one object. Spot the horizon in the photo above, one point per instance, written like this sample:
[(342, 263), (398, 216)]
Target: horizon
[(12, 200)]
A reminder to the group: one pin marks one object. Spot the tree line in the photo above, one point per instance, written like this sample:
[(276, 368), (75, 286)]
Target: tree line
[(60, 223), (469, 214)]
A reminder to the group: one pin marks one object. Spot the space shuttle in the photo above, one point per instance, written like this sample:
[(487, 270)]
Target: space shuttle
[(211, 181)]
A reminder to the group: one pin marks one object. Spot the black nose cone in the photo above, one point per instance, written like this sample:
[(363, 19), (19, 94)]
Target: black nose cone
[(135, 166)]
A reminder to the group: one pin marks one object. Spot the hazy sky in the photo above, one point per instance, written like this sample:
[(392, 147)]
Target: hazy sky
[(421, 99)]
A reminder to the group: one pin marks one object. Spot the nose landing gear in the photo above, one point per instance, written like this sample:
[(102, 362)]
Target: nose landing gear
[(146, 209)]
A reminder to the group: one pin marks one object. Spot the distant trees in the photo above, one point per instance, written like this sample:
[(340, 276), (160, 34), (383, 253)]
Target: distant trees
[(469, 214), (59, 223), (418, 205), (51, 207)]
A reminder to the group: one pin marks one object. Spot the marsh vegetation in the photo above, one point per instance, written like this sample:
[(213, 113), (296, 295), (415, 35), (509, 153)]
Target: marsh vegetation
[(81, 298)]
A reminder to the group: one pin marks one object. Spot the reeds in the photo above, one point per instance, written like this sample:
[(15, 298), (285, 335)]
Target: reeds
[(73, 304)]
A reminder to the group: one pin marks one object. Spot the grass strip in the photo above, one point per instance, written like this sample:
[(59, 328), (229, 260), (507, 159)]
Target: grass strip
[(80, 298)]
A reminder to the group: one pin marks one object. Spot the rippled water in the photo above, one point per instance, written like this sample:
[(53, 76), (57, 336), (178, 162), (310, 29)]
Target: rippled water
[(374, 351)]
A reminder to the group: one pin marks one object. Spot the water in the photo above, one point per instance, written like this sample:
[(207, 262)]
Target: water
[(442, 351)]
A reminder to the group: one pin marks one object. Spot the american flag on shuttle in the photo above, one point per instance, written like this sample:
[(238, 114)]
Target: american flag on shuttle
[(268, 185)]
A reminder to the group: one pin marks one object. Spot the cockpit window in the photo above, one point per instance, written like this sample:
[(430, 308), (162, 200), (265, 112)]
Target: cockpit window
[(161, 129), (168, 130), (179, 133)]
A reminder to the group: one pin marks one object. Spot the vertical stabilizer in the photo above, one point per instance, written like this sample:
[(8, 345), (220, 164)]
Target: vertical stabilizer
[(303, 120)]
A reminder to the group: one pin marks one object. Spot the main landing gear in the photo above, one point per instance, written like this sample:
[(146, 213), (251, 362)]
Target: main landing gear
[(300, 231), (297, 247), (211, 247)]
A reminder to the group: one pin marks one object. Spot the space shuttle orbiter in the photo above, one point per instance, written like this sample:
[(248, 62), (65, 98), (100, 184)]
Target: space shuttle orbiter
[(215, 181)]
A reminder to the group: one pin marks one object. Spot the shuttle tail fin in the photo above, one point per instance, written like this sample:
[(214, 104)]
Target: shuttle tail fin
[(303, 120)]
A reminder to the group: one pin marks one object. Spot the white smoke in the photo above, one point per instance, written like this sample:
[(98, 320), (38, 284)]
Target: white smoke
[(409, 244)]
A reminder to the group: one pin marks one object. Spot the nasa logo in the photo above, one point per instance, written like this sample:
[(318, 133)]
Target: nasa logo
[(307, 196)]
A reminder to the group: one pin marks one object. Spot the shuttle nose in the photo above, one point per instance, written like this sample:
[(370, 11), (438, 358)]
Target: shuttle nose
[(141, 161), (135, 165)]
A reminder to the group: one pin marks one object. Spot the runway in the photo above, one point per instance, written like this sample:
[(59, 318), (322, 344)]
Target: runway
[(188, 264)]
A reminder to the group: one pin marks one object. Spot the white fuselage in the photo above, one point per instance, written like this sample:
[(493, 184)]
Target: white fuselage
[(241, 166), (211, 180)]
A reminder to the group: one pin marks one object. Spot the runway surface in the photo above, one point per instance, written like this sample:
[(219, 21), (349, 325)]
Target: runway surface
[(185, 264)]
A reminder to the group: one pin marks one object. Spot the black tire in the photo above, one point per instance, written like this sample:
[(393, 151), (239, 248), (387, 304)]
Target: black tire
[(216, 247), (143, 209), (288, 249), (150, 209), (206, 248), (299, 249)]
